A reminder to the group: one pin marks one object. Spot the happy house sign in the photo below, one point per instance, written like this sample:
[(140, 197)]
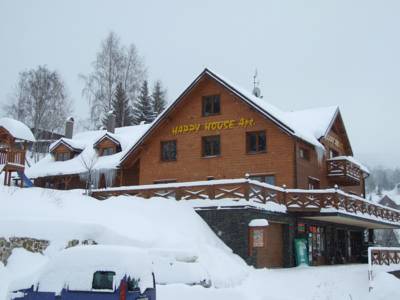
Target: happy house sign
[(213, 126)]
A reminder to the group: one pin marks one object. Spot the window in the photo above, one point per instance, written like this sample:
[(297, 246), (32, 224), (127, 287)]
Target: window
[(62, 156), (211, 105), (108, 151), (256, 142), (133, 284), (270, 179), (304, 153), (211, 145), (168, 151), (103, 280), (333, 153)]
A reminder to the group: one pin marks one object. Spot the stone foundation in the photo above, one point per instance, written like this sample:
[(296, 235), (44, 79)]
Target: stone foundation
[(32, 245)]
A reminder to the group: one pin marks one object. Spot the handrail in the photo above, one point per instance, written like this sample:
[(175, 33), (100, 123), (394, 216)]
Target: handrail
[(381, 256), (12, 156), (251, 190)]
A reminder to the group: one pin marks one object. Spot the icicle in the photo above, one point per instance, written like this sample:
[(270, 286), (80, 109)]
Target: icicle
[(320, 153)]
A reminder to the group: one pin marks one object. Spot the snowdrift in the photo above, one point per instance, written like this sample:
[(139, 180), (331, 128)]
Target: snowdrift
[(182, 246)]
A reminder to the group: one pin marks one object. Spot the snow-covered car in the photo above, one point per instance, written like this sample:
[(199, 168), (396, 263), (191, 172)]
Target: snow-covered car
[(94, 272)]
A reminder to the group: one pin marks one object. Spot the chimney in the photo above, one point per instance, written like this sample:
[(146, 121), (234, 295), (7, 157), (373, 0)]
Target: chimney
[(111, 121), (69, 128)]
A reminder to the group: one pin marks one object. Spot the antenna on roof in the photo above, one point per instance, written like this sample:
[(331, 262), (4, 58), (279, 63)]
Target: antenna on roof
[(256, 83)]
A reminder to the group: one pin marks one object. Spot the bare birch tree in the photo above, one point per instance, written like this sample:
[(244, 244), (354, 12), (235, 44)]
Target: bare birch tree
[(114, 63), (40, 100)]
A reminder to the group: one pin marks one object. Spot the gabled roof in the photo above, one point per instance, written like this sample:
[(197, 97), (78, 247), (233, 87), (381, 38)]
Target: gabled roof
[(73, 145), (17, 129), (125, 136), (309, 132), (109, 136)]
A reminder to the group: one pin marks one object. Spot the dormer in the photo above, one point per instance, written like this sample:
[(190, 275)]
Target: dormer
[(65, 149), (107, 145)]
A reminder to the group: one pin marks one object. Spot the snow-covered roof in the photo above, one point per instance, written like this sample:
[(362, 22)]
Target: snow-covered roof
[(17, 129), (295, 123), (74, 267), (85, 141), (74, 145)]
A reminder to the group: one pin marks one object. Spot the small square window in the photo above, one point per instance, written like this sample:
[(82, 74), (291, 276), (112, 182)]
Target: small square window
[(333, 153), (256, 142), (63, 156), (103, 280), (304, 153), (211, 145), (168, 151), (270, 179), (211, 105), (108, 151)]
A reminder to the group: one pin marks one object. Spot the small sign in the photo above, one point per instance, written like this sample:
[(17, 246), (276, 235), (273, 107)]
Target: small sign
[(213, 126), (301, 227), (258, 238)]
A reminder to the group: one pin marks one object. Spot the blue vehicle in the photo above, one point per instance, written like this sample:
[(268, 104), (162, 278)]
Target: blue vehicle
[(94, 272)]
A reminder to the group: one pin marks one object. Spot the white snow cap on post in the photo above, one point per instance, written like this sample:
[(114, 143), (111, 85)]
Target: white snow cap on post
[(258, 223)]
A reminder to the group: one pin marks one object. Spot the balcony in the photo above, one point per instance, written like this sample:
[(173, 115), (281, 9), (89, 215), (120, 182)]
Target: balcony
[(345, 171), (12, 159)]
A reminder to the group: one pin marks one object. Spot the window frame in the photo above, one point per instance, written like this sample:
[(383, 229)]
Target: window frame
[(306, 153), (248, 134), (65, 155), (203, 139), (264, 175), (101, 273), (162, 143), (203, 105), (103, 150)]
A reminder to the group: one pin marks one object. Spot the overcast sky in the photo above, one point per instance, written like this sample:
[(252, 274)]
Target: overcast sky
[(308, 53)]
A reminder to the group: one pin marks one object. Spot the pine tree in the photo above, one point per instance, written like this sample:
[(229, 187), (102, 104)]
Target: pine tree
[(158, 98), (142, 110), (120, 106)]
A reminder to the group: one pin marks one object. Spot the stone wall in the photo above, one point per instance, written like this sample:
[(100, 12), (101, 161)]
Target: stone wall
[(231, 225), (32, 245)]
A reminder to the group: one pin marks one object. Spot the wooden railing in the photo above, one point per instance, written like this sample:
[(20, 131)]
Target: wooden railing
[(343, 170), (250, 190), (12, 156), (381, 256)]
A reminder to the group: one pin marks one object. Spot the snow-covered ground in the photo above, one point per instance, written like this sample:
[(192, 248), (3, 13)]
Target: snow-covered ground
[(172, 234)]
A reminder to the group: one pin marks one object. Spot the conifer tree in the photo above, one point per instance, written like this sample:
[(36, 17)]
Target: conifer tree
[(120, 106), (142, 110), (158, 98)]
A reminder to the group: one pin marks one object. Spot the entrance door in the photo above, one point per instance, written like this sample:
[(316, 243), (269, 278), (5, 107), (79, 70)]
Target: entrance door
[(272, 256)]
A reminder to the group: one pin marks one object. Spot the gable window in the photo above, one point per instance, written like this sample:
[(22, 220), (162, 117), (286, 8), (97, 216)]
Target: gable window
[(211, 105), (63, 156), (168, 151), (304, 153), (103, 280), (270, 179), (256, 142), (108, 151), (211, 146)]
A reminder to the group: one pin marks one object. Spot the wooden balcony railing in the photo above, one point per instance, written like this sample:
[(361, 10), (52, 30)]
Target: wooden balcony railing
[(343, 172), (250, 190), (12, 157)]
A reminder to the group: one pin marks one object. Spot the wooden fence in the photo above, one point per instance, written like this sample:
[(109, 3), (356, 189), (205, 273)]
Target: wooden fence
[(250, 190), (381, 256), (12, 156)]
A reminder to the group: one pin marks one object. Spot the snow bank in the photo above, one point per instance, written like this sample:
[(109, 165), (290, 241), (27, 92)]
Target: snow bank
[(170, 231)]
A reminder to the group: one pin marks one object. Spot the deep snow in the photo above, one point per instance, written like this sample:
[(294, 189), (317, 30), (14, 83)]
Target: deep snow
[(170, 232)]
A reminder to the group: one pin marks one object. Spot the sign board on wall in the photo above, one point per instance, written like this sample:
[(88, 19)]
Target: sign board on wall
[(258, 238), (213, 126)]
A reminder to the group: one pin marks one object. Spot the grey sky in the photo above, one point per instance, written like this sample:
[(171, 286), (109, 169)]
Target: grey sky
[(308, 53)]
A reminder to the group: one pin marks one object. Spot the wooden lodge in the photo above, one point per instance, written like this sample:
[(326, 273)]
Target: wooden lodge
[(216, 142), (14, 138)]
